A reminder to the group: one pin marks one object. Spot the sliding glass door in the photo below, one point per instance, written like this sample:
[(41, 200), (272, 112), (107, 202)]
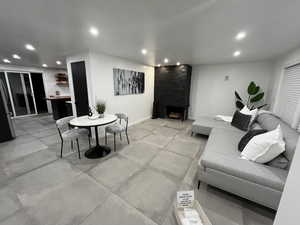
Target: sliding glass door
[(3, 80), (21, 93)]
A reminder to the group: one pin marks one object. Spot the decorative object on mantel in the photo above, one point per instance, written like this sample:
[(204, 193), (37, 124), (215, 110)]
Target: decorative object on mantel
[(127, 82), (255, 96), (62, 79), (100, 108)]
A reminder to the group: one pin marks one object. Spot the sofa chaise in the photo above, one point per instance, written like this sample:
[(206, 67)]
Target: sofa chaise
[(221, 166)]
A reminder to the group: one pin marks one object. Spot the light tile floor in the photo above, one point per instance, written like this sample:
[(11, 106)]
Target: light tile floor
[(134, 186)]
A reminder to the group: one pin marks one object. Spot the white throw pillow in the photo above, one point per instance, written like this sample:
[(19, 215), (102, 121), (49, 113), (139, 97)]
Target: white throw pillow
[(252, 113), (264, 147)]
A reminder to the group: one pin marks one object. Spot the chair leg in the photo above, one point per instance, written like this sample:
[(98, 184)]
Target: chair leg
[(72, 144), (115, 141), (89, 142), (192, 133), (61, 148), (105, 138), (78, 148), (199, 182), (127, 137), (121, 136)]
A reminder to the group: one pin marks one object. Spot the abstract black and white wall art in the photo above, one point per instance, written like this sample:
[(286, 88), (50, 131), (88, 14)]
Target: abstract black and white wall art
[(127, 82)]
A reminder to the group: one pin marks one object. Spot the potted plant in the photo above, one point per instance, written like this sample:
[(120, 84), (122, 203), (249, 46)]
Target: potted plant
[(100, 108), (255, 96)]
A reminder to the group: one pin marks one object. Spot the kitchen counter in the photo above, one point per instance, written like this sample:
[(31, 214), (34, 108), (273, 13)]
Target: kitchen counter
[(67, 98), (60, 108)]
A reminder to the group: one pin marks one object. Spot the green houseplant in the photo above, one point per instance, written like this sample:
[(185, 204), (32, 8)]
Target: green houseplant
[(100, 108), (254, 100)]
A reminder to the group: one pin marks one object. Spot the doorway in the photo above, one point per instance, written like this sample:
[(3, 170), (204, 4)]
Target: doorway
[(39, 92), (21, 93), (80, 88), (26, 92), (9, 105)]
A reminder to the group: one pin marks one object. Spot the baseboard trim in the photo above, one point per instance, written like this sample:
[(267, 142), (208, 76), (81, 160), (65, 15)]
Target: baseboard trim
[(139, 121)]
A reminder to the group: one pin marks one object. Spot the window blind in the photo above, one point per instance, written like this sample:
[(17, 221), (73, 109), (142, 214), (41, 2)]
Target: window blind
[(289, 107)]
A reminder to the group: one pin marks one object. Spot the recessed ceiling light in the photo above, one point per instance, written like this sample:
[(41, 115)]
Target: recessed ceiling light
[(166, 60), (237, 53), (158, 65), (15, 56), (44, 65), (58, 62), (240, 36), (178, 63), (29, 47), (94, 31), (144, 51), (6, 61)]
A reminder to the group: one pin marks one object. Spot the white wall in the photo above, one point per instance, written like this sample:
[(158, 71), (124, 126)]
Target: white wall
[(211, 94), (100, 85), (48, 78)]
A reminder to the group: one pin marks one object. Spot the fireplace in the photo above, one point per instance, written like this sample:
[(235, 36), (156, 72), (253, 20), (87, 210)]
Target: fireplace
[(175, 112), (172, 92)]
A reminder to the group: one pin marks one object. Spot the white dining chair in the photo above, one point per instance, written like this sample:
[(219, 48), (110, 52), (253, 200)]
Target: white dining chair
[(118, 128), (67, 133)]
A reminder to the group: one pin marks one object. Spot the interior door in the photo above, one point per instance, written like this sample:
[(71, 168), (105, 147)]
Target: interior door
[(39, 92), (80, 88)]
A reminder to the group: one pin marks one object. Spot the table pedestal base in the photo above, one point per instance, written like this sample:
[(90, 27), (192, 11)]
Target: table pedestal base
[(96, 152)]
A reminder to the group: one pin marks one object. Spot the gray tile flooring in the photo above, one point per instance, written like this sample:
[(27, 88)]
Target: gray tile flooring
[(134, 186)]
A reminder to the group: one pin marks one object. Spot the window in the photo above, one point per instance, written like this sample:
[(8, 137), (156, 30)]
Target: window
[(289, 107)]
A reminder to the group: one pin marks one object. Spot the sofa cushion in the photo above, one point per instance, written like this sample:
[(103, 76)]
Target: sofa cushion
[(224, 141), (270, 122), (221, 154), (204, 125)]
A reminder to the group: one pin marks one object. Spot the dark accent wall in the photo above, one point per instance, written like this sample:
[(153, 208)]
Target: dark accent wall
[(171, 88)]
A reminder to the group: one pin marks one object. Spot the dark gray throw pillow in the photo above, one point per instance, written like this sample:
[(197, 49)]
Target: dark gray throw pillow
[(241, 121), (280, 162), (247, 137)]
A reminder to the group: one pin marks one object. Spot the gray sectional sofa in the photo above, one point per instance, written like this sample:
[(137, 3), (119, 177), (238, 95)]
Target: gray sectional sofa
[(221, 166)]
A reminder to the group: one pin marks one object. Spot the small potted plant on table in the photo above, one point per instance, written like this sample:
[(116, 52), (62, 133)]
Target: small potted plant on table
[(100, 108)]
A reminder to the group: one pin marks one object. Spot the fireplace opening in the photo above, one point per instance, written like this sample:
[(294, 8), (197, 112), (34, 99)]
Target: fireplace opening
[(175, 112)]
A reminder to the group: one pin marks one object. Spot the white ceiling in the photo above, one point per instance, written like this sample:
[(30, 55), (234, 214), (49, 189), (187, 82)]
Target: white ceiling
[(189, 31)]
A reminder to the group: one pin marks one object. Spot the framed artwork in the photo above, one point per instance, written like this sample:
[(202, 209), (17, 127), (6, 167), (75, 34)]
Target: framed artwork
[(128, 82)]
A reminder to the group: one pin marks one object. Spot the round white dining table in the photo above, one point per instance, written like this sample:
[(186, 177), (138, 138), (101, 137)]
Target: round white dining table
[(98, 151)]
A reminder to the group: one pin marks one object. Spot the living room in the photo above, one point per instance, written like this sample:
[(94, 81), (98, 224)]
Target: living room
[(113, 110)]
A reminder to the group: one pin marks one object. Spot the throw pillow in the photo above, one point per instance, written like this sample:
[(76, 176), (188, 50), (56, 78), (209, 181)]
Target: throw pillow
[(255, 126), (252, 113), (247, 137), (264, 147), (241, 121), (280, 162)]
